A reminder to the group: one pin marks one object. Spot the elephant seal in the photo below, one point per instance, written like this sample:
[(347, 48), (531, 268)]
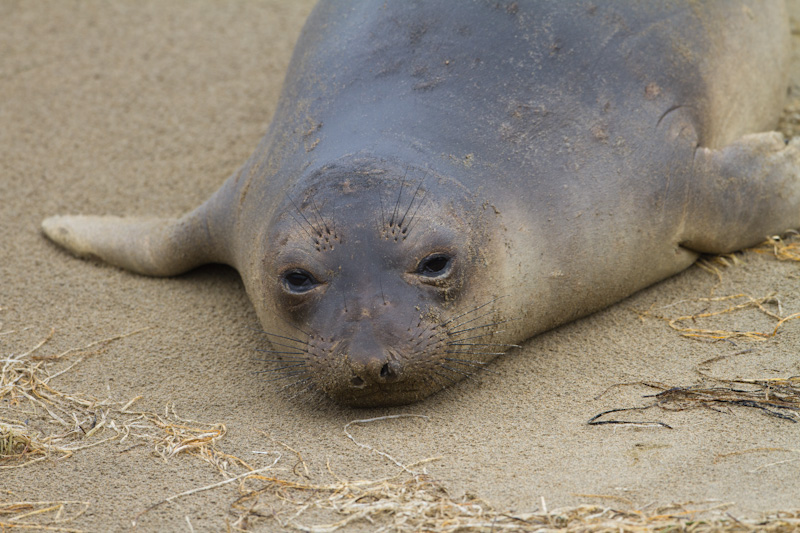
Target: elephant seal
[(443, 180)]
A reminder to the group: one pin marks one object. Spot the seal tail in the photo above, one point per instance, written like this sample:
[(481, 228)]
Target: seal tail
[(150, 246)]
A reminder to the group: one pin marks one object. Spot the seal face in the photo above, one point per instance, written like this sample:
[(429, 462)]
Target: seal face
[(368, 271), (438, 184)]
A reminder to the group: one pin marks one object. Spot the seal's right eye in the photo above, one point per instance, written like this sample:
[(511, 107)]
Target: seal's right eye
[(298, 281)]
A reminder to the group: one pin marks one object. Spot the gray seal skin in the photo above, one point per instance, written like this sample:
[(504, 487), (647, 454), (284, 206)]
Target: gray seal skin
[(443, 180)]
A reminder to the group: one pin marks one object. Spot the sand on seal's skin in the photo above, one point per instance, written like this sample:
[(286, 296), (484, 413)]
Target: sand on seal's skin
[(145, 108)]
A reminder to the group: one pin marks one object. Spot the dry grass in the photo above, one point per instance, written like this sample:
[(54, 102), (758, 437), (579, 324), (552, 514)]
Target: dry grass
[(68, 422), (40, 516), (46, 423), (707, 310), (416, 502), (410, 501), (65, 423), (715, 307), (782, 248), (776, 397)]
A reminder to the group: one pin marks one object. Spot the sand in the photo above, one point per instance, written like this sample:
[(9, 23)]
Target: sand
[(143, 108)]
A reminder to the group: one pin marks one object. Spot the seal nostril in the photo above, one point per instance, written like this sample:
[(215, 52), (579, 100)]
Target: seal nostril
[(390, 372), (357, 382)]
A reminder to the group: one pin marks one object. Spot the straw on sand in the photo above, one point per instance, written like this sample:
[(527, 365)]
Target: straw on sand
[(411, 500)]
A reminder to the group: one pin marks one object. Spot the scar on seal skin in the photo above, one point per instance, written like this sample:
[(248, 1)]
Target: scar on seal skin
[(438, 184)]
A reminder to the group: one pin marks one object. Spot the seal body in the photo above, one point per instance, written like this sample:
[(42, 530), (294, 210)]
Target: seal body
[(443, 180)]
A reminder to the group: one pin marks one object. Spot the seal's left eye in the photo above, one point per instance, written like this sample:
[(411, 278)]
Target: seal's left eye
[(299, 281), (435, 265)]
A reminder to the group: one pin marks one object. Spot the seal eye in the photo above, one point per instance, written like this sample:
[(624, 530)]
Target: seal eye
[(435, 266), (299, 281)]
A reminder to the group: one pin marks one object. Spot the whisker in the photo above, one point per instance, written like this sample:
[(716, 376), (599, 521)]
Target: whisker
[(451, 379), (410, 204), (411, 224), (294, 384), (465, 361), (310, 225), (472, 320), (399, 195), (483, 326), (318, 215), (261, 331), (481, 335), (307, 334), (482, 344), (278, 352), (310, 236), (473, 364), (467, 374), (280, 360), (302, 391), (474, 309), (436, 381), (276, 343), (480, 353), (383, 215), (279, 369), (286, 338)]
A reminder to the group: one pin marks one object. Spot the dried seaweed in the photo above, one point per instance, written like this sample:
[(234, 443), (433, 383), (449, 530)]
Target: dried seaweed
[(412, 500), (777, 397), (40, 516), (745, 302), (417, 502), (58, 424), (783, 248)]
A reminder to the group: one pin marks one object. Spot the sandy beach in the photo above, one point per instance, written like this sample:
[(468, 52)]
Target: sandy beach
[(144, 108)]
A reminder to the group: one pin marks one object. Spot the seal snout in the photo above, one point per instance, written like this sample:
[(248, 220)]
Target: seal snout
[(369, 361), (375, 372)]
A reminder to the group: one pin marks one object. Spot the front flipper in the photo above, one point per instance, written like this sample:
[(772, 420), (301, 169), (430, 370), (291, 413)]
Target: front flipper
[(742, 193), (151, 246)]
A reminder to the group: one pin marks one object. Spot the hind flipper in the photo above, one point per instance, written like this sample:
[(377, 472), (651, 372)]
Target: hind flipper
[(150, 246), (742, 193)]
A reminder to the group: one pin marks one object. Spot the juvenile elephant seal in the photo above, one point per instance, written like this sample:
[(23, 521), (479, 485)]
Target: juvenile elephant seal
[(443, 180)]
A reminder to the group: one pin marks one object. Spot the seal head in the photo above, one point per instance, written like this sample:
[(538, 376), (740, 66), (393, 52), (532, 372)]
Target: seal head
[(367, 267)]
